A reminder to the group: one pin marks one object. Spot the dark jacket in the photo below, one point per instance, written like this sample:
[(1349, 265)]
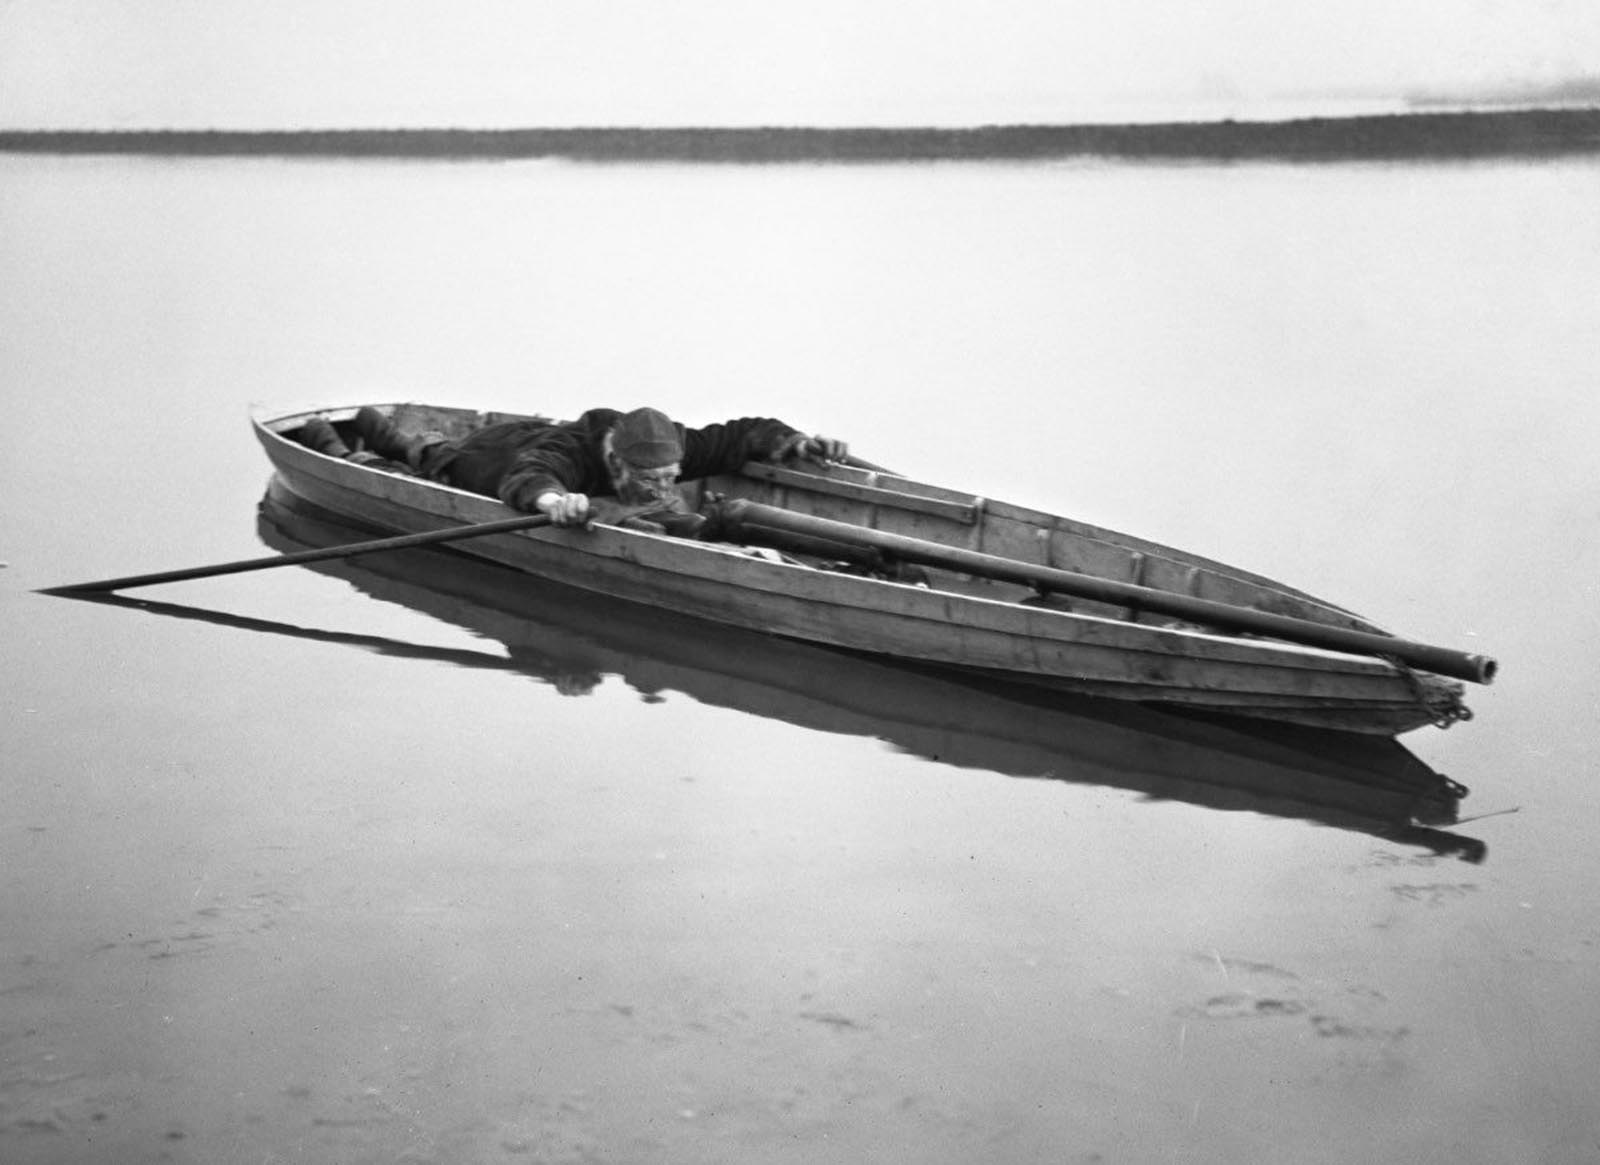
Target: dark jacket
[(517, 461)]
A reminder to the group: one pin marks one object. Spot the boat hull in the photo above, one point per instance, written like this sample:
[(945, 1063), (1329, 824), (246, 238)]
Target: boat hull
[(955, 623)]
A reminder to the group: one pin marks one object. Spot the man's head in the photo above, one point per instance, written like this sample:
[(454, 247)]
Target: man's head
[(643, 456)]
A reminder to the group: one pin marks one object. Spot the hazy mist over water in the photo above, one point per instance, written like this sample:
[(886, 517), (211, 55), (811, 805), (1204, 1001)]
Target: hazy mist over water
[(275, 897), (304, 64)]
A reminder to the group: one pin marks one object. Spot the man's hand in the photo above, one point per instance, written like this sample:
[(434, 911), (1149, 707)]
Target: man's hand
[(822, 449), (564, 509)]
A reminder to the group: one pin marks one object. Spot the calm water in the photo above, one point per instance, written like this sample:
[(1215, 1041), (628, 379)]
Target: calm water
[(408, 888)]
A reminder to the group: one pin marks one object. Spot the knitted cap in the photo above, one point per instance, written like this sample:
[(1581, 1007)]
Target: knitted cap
[(647, 439)]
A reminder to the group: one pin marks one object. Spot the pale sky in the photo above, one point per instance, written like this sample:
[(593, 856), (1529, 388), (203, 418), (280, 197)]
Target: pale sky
[(292, 63)]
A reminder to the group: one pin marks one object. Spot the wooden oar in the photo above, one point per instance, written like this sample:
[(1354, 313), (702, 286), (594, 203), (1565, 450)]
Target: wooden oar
[(401, 542), (749, 519)]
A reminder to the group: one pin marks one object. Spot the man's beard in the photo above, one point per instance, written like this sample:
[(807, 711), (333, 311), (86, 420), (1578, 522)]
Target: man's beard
[(631, 492)]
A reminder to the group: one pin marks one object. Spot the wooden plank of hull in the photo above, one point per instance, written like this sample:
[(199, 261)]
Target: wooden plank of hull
[(1371, 715), (1072, 651)]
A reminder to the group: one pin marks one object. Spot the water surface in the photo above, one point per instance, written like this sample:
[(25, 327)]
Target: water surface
[(299, 896)]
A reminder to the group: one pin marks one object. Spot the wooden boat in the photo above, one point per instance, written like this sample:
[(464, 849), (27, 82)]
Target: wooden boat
[(578, 641), (1116, 643)]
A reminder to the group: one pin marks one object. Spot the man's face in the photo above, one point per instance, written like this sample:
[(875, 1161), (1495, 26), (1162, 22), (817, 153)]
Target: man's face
[(638, 487)]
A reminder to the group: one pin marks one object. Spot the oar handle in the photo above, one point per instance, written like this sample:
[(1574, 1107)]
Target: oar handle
[(400, 542)]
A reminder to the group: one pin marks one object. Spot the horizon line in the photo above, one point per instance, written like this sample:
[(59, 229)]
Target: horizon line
[(1435, 134)]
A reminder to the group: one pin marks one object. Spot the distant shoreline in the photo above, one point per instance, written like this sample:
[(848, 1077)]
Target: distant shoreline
[(1519, 133)]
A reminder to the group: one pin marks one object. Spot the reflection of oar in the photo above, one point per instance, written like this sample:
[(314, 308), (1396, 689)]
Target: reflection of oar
[(750, 519), (402, 542), (382, 645)]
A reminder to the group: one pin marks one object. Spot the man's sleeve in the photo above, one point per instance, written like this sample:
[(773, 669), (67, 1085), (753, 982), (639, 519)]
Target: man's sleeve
[(724, 448), (551, 462)]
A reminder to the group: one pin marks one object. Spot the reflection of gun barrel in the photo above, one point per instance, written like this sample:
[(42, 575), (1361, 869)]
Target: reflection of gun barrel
[(752, 520)]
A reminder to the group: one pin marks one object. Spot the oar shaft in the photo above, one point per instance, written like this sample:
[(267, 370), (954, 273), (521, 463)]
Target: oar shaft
[(400, 542), (1439, 660)]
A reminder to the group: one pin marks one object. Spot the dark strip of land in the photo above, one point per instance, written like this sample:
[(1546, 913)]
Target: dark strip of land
[(1522, 133)]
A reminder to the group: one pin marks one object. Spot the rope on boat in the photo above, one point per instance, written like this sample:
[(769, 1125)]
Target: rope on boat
[(1440, 699)]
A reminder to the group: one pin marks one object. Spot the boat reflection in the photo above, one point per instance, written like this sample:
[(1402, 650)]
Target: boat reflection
[(577, 641)]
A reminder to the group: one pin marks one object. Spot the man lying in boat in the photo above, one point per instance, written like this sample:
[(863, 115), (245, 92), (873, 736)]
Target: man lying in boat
[(605, 466)]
